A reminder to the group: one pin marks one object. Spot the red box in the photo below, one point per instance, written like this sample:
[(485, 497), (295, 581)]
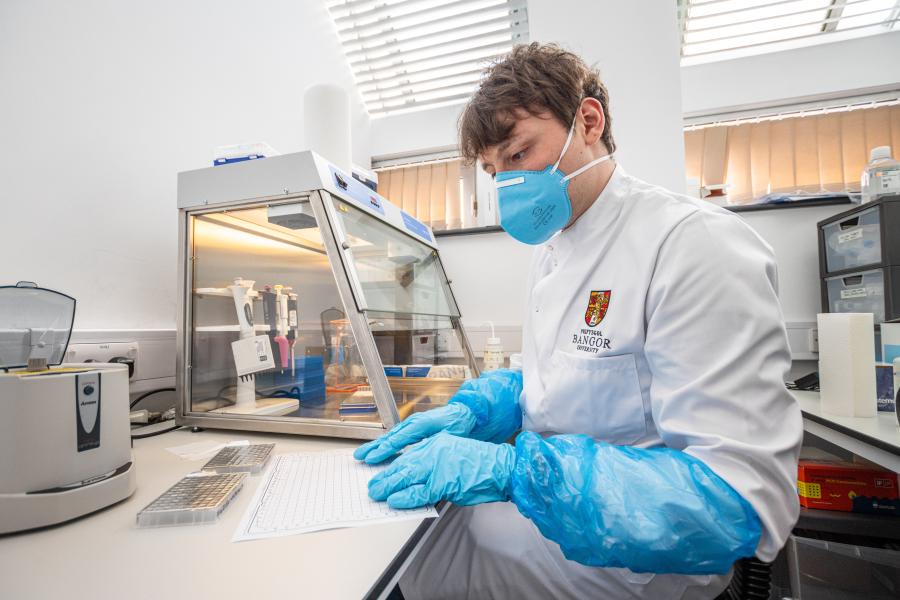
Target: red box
[(847, 487)]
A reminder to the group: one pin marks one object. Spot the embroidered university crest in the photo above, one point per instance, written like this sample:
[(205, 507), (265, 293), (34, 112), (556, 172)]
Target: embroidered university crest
[(597, 306)]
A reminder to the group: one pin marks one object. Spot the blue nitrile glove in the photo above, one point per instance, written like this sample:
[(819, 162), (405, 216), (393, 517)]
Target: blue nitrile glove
[(446, 467), (457, 419), (494, 399), (485, 408)]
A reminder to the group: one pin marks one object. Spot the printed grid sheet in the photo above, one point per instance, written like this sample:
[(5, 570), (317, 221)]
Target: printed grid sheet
[(311, 491)]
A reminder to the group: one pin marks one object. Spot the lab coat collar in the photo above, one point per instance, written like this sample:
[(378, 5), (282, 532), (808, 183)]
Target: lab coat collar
[(599, 216)]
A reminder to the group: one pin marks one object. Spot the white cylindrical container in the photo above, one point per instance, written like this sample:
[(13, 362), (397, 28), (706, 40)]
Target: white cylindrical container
[(847, 364), (326, 124), (493, 354)]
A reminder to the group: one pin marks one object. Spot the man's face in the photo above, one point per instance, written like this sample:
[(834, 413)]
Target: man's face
[(534, 143)]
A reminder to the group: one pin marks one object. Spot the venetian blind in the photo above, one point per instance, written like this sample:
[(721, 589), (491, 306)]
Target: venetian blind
[(411, 54)]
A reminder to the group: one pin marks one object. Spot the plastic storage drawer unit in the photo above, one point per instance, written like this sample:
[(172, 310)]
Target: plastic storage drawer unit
[(876, 291), (867, 236), (824, 570), (853, 242)]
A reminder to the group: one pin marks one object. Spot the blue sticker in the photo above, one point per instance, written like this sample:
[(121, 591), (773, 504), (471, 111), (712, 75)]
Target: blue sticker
[(891, 352), (416, 226)]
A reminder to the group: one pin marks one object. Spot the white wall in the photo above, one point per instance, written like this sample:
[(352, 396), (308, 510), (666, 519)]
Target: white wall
[(489, 272), (635, 46), (793, 235), (414, 131), (103, 102), (824, 70)]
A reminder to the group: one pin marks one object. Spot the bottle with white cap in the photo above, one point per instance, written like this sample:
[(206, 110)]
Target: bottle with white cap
[(493, 352), (881, 177)]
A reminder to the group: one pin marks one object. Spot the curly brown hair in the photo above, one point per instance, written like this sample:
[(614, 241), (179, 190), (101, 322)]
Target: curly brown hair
[(536, 78)]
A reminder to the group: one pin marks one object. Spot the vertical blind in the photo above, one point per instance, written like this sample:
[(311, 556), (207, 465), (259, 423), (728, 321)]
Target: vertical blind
[(816, 153), (430, 192), (409, 54)]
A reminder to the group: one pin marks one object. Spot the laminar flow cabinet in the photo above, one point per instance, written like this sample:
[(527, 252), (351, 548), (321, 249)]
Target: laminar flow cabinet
[(308, 303)]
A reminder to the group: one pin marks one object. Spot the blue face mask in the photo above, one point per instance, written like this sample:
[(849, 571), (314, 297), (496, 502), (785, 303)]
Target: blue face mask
[(534, 205)]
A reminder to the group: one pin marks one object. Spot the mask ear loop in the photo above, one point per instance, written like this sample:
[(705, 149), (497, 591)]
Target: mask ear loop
[(581, 170), (566, 145)]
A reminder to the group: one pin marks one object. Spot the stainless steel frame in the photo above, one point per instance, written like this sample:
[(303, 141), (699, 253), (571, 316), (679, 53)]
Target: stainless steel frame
[(384, 397)]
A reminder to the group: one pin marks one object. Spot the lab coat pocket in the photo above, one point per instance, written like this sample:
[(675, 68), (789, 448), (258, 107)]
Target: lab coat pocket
[(597, 396)]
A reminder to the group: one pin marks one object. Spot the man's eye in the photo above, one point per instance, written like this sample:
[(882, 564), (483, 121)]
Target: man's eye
[(518, 155)]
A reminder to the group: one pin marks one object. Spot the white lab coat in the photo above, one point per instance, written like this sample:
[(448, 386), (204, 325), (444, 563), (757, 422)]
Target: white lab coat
[(688, 351)]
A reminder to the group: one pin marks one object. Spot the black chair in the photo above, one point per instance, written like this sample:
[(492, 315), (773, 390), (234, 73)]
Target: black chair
[(752, 580)]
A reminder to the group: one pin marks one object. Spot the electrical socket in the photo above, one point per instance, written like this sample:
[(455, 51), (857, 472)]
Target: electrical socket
[(102, 352), (813, 339)]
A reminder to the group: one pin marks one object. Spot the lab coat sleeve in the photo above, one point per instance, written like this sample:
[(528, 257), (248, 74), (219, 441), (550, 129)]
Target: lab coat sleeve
[(494, 400), (718, 353)]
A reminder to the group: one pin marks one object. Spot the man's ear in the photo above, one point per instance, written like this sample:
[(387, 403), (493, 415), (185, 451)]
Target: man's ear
[(594, 123)]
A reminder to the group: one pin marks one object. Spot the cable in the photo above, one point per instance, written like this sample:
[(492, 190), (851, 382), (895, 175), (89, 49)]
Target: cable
[(219, 393), (150, 393), (293, 393), (154, 433)]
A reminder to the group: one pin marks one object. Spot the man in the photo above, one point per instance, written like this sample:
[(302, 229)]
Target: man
[(658, 441)]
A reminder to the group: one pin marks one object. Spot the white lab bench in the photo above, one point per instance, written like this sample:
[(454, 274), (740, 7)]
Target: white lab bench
[(875, 438), (105, 555)]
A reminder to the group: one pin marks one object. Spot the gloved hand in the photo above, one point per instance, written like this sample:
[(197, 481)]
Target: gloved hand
[(485, 408), (456, 418), (446, 467)]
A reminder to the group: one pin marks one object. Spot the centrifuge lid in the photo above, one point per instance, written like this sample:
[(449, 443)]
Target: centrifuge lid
[(35, 323)]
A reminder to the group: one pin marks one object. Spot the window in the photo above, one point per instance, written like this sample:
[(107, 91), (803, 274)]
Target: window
[(720, 29), (802, 150), (439, 190), (413, 54)]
